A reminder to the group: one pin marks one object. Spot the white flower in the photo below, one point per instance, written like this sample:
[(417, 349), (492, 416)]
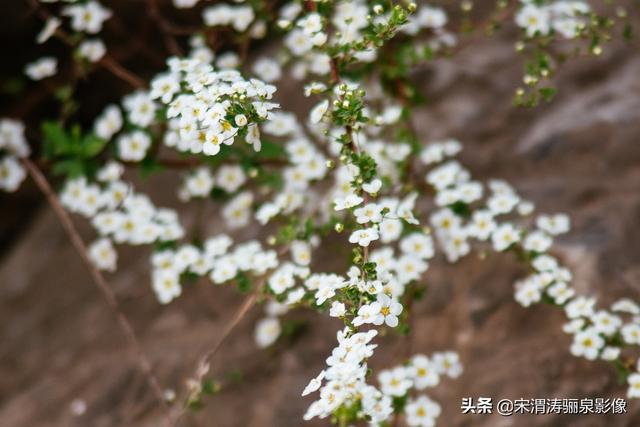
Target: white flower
[(267, 69), (580, 307), (372, 187), (199, 183), (42, 68), (528, 292), (301, 252), (281, 280), (431, 17), (230, 178), (423, 372), (50, 27), (364, 237), (319, 111), (422, 412), (103, 255), (185, 4), (501, 204), (267, 331), (447, 363), (225, 269), (133, 147), (405, 209), (482, 225), (554, 224), (108, 123), (409, 267), (368, 213), (625, 305), (369, 313), (166, 285), (390, 230), (525, 208), (534, 19), (390, 309), (298, 42), (11, 174), (87, 17), (240, 120), (239, 17), (504, 236), (324, 292), (348, 202), (418, 244), (337, 309), (92, 50), (314, 384), (560, 292), (587, 344), (537, 241), (634, 385), (395, 382), (12, 138), (311, 23), (606, 323), (631, 333), (140, 107), (164, 87), (238, 211)]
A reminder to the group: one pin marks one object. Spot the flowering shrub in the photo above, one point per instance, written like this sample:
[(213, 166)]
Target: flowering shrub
[(350, 171)]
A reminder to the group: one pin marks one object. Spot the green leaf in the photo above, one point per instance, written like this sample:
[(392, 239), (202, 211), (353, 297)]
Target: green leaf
[(270, 150), (149, 166), (55, 140), (548, 93), (92, 146), (71, 168), (244, 284)]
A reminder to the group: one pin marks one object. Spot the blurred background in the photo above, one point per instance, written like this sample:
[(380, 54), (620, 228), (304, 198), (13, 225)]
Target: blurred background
[(61, 349)]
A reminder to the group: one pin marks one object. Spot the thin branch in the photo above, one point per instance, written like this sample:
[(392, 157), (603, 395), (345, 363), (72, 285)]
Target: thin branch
[(166, 27), (109, 295), (122, 73), (242, 311), (205, 360)]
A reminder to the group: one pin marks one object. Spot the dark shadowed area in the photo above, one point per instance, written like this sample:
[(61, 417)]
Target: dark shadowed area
[(579, 154)]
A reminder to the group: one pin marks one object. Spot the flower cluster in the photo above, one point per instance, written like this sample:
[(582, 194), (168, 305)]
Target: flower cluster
[(343, 383), (85, 18), (118, 214), (565, 17), (208, 108), (596, 333), (213, 259)]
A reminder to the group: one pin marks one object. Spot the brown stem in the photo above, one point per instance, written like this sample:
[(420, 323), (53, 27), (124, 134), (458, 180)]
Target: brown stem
[(237, 317), (335, 76), (204, 361), (122, 73), (98, 278), (167, 28)]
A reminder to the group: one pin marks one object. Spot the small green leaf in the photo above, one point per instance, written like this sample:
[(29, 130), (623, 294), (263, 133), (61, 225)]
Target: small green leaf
[(92, 146), (55, 140)]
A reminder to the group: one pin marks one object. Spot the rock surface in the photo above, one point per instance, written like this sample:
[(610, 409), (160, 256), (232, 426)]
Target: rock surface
[(579, 154)]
